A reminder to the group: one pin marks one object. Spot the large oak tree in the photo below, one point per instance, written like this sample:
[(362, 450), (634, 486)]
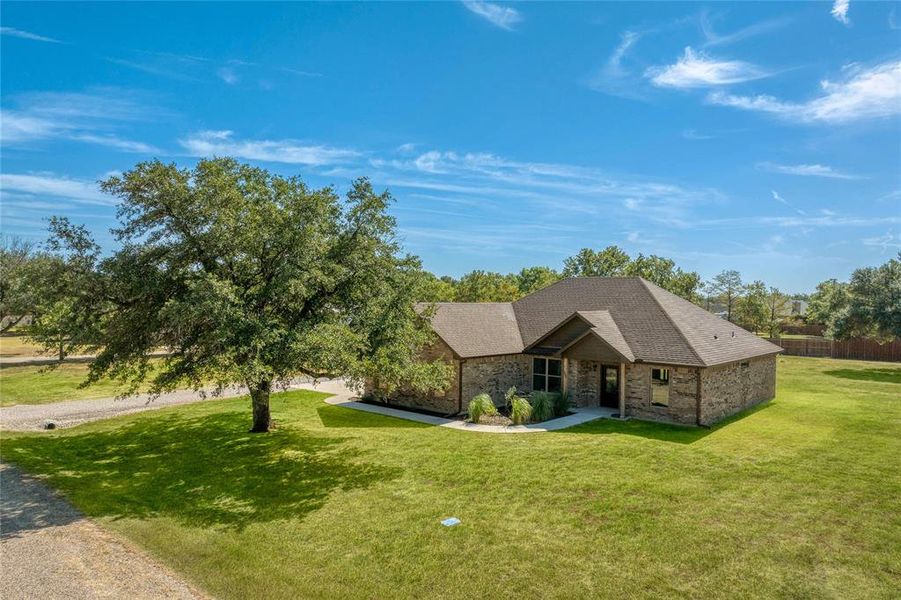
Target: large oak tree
[(245, 276)]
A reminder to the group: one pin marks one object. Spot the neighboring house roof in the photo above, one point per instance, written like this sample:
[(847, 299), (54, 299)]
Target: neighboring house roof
[(633, 316)]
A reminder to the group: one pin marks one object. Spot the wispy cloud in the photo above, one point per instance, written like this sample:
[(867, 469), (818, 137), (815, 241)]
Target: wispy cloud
[(300, 72), (865, 93), (692, 134), (228, 75), (814, 170), (840, 11), (48, 184), (884, 242), (614, 78), (782, 200), (223, 143), (696, 69), (89, 117), (27, 35), (500, 16), (715, 39)]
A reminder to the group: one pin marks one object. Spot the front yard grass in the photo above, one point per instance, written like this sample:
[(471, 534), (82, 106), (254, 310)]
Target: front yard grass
[(797, 498), (35, 384)]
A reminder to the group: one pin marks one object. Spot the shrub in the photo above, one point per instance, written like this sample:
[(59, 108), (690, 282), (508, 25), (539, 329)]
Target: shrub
[(520, 409), (542, 405), (481, 405), (562, 404)]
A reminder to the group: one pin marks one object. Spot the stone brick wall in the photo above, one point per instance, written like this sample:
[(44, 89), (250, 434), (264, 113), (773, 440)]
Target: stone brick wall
[(494, 375), (728, 389), (583, 379), (682, 407), (445, 403)]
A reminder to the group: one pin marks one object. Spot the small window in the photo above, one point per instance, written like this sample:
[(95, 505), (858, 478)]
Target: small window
[(660, 387), (547, 375)]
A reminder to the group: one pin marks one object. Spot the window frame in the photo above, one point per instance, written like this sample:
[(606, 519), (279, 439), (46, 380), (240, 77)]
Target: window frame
[(664, 384), (546, 375)]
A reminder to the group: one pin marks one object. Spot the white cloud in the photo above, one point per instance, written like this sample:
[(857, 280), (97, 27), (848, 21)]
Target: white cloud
[(48, 184), (227, 75), (864, 94), (779, 198), (501, 16), (27, 35), (755, 29), (223, 143), (840, 11), (695, 69), (691, 134), (80, 116), (300, 72), (884, 242), (815, 170)]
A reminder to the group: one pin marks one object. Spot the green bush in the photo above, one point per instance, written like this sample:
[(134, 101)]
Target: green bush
[(480, 406), (562, 404), (520, 409), (542, 405)]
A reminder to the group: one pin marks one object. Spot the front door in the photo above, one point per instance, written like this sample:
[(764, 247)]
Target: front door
[(610, 387)]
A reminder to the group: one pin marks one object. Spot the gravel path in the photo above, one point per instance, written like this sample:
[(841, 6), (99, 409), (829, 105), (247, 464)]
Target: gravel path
[(32, 417), (50, 551)]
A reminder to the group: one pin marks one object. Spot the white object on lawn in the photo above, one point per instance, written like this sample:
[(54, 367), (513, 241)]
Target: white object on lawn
[(450, 522)]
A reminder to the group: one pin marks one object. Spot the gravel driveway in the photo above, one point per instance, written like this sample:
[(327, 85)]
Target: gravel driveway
[(32, 417), (50, 551)]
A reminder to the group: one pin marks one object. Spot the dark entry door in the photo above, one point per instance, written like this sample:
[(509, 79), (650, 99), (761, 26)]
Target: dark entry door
[(610, 387)]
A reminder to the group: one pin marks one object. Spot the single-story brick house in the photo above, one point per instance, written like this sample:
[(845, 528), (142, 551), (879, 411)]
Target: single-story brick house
[(618, 342)]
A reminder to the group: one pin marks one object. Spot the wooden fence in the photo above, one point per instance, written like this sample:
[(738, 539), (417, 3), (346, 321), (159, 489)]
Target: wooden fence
[(857, 349)]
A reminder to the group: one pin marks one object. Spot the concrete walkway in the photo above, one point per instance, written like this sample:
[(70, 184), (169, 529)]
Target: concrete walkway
[(32, 417), (345, 399), (50, 551)]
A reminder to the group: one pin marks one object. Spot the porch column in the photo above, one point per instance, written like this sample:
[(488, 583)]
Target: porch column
[(621, 378)]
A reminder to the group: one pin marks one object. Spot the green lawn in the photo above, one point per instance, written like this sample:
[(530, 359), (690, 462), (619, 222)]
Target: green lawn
[(41, 384), (799, 498)]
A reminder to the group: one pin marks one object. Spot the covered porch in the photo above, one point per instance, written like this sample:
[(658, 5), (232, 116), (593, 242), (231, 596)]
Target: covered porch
[(587, 356)]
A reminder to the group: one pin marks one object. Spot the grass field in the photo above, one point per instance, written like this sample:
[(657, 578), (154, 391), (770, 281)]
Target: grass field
[(41, 384), (18, 346), (799, 498)]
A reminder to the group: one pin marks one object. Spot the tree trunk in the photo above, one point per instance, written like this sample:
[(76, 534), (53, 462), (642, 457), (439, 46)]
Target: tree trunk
[(259, 397)]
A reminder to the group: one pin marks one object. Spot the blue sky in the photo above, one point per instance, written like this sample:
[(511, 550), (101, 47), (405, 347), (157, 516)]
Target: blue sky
[(764, 137)]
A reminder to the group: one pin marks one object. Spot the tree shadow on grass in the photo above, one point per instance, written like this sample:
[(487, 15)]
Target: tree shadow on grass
[(338, 416), (665, 432), (881, 375), (203, 472)]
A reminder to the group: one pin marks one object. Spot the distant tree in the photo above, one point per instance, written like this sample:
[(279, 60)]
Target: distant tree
[(751, 309), (727, 288), (251, 277), (778, 306), (874, 307), (830, 300), (487, 286), (532, 279), (609, 262), (17, 296), (663, 272), (613, 261), (436, 289)]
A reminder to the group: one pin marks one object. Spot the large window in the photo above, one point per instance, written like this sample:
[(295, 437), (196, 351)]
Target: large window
[(660, 387), (546, 375)]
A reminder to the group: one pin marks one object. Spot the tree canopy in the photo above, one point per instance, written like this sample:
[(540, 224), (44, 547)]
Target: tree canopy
[(245, 276), (869, 305)]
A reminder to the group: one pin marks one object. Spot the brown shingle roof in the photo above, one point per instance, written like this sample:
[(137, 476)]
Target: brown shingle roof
[(651, 323), (478, 328)]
